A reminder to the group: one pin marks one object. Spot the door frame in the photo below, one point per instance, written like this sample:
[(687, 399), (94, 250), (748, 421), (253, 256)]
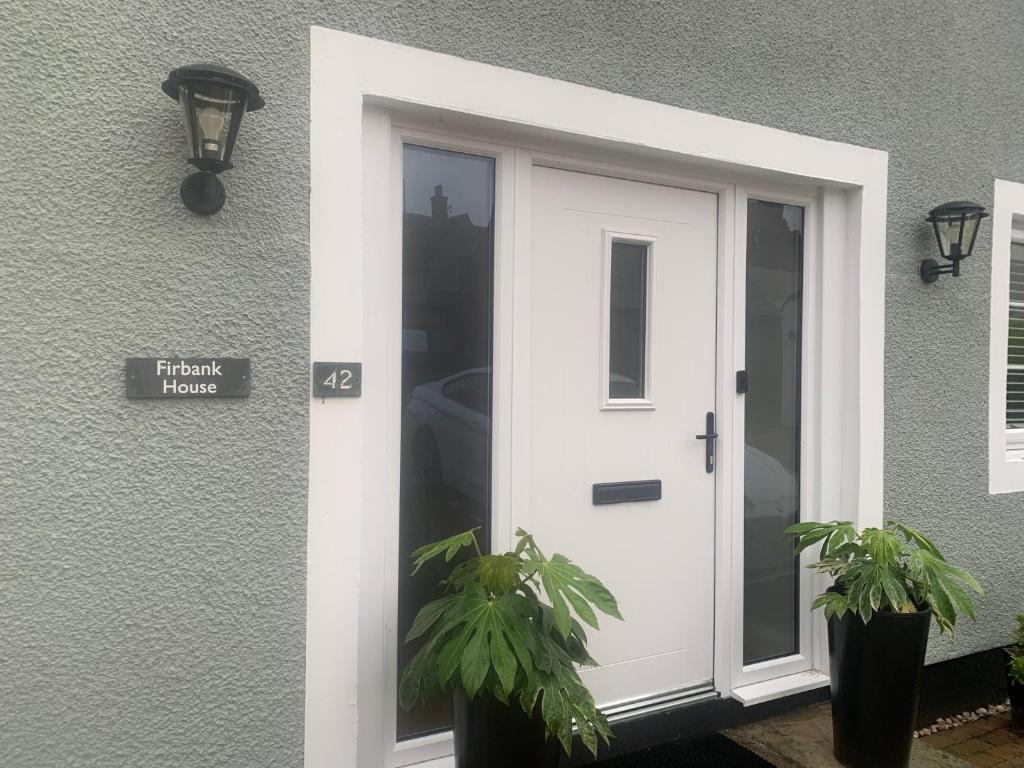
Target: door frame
[(511, 333), (388, 296), (811, 637), (355, 81)]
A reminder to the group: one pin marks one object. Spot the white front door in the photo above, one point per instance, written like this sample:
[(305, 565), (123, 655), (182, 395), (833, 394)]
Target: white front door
[(621, 301)]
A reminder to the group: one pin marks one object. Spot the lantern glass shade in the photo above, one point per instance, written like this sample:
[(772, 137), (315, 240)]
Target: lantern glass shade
[(212, 114), (213, 99), (956, 227)]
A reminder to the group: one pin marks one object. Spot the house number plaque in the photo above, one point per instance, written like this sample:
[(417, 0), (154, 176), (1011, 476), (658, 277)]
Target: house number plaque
[(337, 379)]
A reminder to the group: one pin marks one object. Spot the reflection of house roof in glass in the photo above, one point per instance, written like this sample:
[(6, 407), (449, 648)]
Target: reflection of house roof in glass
[(770, 236), (441, 253), (773, 249)]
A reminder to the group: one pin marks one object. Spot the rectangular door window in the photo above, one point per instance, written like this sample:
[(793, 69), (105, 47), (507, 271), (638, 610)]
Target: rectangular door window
[(627, 327), (447, 319), (771, 493)]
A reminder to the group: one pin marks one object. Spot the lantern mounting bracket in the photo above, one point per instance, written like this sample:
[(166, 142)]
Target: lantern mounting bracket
[(202, 193), (931, 269)]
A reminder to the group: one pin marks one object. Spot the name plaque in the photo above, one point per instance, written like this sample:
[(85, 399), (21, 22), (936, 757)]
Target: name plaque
[(181, 377)]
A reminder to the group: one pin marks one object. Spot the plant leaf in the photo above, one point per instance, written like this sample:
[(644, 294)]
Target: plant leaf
[(450, 547), (895, 589), (451, 655), (588, 735), (941, 605), (560, 577), (429, 614), (582, 608), (943, 591), (912, 535), (1017, 669), (502, 657), (883, 548), (829, 534), (834, 603), (558, 604), (417, 678), (497, 573), (509, 623), (463, 622), (476, 661)]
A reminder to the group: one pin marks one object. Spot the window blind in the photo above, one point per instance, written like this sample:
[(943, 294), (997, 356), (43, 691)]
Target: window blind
[(1015, 352)]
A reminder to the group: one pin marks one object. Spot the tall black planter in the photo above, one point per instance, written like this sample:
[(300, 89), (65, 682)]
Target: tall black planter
[(876, 684), (489, 734)]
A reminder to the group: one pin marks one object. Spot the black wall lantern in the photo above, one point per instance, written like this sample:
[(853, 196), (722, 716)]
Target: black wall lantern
[(213, 100), (956, 228)]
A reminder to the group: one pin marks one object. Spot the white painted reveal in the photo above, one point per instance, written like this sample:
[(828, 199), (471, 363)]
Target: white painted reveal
[(357, 84)]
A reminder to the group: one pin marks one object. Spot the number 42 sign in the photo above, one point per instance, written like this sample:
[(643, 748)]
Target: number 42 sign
[(337, 379)]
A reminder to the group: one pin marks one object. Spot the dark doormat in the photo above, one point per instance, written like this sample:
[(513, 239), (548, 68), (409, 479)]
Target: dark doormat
[(712, 750)]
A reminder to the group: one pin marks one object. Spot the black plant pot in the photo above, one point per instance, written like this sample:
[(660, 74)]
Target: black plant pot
[(876, 685), (1017, 703), (489, 734)]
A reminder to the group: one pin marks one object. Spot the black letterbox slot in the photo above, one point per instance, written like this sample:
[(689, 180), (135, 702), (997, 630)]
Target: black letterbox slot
[(634, 490)]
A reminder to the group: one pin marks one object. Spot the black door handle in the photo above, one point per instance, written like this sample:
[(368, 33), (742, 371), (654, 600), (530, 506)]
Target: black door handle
[(709, 438)]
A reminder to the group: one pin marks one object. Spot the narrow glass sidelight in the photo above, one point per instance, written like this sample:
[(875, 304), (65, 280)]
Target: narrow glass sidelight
[(771, 492), (447, 332), (627, 327)]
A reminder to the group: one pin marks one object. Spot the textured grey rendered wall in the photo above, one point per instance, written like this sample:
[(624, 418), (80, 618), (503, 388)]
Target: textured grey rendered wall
[(152, 593)]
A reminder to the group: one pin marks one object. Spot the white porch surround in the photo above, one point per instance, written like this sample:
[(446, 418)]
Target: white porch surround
[(350, 288)]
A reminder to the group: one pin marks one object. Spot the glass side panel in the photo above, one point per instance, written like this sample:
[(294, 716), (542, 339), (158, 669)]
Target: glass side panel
[(1015, 351), (447, 308), (627, 343), (771, 491)]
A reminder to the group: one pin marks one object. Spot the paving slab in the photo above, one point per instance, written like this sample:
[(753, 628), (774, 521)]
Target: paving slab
[(803, 739)]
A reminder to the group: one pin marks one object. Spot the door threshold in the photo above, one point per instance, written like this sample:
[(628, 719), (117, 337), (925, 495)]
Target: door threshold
[(645, 705)]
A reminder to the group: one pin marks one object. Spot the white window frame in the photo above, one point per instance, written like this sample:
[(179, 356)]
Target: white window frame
[(609, 403), (419, 750), (809, 655), (356, 83), (1005, 446), (1014, 437)]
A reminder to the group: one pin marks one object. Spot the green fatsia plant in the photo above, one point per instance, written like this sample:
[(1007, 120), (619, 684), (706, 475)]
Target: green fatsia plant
[(895, 568), (1018, 636), (1017, 669), (491, 634), (1016, 651)]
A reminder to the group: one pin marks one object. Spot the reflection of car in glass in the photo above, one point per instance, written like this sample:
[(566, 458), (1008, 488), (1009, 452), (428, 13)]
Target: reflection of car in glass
[(622, 387), (771, 504), (447, 426)]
